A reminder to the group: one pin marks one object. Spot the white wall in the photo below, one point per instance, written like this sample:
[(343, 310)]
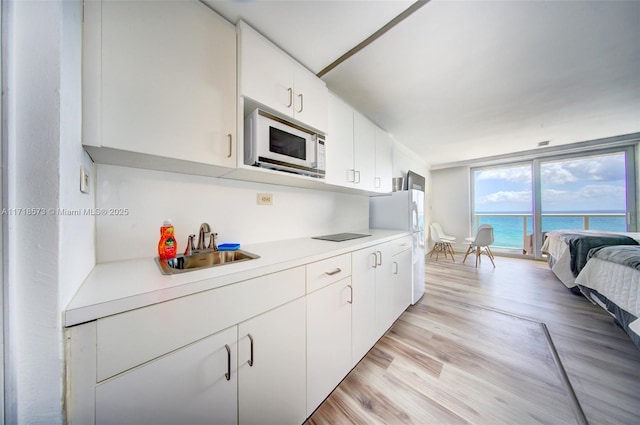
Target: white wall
[(230, 207), (451, 207), (48, 255), (33, 328), (76, 232)]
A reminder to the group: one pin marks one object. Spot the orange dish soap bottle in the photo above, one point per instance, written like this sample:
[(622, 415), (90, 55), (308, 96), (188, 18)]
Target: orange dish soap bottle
[(167, 247)]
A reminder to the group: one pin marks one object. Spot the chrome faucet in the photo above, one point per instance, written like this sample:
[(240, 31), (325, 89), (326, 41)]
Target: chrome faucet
[(212, 241), (190, 245), (205, 230)]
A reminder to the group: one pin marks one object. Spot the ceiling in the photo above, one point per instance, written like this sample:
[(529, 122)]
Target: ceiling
[(459, 80)]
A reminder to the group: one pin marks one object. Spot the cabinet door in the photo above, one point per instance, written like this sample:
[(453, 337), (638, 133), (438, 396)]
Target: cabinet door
[(266, 73), (363, 309), (383, 168), (328, 340), (339, 144), (168, 72), (310, 101), (384, 290), (364, 148), (185, 386), (272, 389), (401, 268)]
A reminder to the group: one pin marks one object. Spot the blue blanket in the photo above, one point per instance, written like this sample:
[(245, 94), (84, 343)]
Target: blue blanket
[(625, 255), (580, 243)]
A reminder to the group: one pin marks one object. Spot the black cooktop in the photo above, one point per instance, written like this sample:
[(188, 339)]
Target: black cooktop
[(340, 237)]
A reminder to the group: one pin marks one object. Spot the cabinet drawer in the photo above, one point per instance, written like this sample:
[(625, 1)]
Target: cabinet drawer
[(401, 244), (128, 339), (325, 272)]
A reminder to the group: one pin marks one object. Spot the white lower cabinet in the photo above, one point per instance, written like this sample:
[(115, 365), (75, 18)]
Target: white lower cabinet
[(252, 373), (401, 267), (267, 350), (196, 384), (373, 297), (384, 290), (272, 367), (328, 340), (363, 310)]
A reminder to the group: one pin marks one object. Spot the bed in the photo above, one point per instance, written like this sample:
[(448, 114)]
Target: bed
[(568, 250), (611, 279)]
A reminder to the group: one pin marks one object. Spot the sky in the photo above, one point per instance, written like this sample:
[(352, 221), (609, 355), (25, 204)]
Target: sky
[(595, 183)]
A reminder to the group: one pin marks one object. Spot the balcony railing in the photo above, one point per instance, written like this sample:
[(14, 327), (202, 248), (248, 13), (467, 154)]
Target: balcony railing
[(515, 230)]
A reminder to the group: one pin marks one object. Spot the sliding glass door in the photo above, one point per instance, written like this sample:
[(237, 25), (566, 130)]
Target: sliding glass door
[(504, 199), (523, 201), (584, 193)]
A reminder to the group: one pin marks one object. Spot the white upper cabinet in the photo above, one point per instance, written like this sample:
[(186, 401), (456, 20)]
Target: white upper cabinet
[(311, 99), (272, 78), (358, 152), (159, 82), (383, 168), (339, 144), (364, 152)]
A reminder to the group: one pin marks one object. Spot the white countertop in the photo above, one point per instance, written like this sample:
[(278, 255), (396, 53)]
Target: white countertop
[(120, 286)]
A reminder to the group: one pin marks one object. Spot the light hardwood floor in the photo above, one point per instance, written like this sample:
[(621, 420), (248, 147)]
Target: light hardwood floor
[(475, 350)]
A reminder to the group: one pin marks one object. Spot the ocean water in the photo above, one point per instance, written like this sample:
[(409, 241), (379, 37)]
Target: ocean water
[(508, 230)]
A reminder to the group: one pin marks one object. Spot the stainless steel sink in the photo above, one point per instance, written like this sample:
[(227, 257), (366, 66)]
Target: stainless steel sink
[(202, 260)]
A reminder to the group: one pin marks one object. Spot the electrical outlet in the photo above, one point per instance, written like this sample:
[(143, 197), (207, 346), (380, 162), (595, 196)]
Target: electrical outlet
[(265, 199), (84, 180)]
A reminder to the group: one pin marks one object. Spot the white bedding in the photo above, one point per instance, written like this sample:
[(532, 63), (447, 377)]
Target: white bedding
[(559, 251), (620, 284)]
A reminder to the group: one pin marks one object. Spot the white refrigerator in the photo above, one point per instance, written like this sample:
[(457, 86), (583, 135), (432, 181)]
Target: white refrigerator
[(403, 210)]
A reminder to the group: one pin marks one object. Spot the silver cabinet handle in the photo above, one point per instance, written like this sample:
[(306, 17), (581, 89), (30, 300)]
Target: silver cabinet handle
[(334, 271), (375, 260), (228, 374), (351, 179), (379, 260), (350, 294), (396, 267), (290, 90), (250, 350), (230, 145), (358, 174), (301, 102)]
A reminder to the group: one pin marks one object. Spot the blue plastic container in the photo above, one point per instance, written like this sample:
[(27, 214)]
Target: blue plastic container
[(229, 247)]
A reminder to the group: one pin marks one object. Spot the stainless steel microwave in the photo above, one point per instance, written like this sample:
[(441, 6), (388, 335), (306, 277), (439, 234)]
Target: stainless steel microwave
[(274, 143)]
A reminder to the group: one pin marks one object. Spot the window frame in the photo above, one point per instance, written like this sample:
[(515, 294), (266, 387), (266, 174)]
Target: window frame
[(535, 163)]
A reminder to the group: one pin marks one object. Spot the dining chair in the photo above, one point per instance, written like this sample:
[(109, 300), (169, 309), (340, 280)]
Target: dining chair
[(480, 244), (441, 244)]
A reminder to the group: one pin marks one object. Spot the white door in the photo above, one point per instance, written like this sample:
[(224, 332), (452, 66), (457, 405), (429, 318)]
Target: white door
[(272, 367), (196, 384)]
